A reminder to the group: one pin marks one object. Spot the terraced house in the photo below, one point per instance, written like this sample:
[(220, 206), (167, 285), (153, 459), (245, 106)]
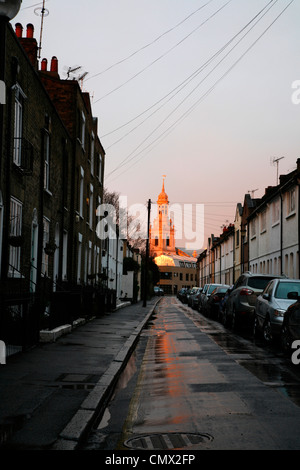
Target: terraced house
[(264, 239), (51, 181)]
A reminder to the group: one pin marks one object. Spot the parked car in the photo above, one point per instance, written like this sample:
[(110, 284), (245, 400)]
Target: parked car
[(290, 330), (194, 299), (213, 302), (158, 291), (272, 304), (240, 305), (181, 294), (204, 297), (187, 295), (222, 306)]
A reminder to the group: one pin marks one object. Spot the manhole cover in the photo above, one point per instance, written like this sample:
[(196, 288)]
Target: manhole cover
[(167, 441)]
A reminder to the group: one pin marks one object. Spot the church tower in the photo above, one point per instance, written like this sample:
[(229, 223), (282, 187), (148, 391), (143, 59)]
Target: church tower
[(162, 239)]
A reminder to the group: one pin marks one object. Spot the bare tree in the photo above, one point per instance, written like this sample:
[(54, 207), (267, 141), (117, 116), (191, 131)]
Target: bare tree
[(132, 223)]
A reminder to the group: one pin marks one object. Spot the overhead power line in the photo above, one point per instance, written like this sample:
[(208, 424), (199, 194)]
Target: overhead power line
[(163, 135), (150, 43), (183, 84), (163, 55)]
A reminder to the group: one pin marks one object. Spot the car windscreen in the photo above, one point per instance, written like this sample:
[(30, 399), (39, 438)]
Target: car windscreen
[(211, 288), (284, 288), (259, 282)]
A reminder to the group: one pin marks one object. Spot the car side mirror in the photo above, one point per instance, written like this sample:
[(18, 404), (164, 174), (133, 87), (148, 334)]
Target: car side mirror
[(266, 296)]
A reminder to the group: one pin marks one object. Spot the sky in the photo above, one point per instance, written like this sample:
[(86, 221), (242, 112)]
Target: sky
[(197, 90)]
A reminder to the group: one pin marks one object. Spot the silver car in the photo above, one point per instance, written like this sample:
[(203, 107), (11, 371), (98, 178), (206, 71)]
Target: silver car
[(271, 306)]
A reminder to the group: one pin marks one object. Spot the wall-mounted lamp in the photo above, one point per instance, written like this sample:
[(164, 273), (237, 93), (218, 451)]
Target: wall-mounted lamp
[(10, 8)]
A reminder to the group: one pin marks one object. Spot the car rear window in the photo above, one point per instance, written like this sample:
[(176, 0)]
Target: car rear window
[(284, 288), (222, 290), (259, 282)]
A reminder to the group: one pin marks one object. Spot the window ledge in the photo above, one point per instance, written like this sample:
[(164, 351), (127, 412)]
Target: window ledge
[(290, 215)]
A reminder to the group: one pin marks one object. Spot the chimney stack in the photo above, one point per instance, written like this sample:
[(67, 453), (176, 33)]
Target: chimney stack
[(44, 65), (19, 30), (30, 31), (54, 65), (29, 42)]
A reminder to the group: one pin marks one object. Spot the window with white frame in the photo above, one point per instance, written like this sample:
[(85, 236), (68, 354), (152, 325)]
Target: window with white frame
[(91, 200), (100, 168), (79, 257), (81, 185), (46, 237), (65, 255), (263, 221), (18, 125), (291, 201), (15, 231), (82, 137), (253, 227), (46, 161), (92, 158), (275, 211)]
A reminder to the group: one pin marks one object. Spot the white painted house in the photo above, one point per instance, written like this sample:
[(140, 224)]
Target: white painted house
[(274, 229)]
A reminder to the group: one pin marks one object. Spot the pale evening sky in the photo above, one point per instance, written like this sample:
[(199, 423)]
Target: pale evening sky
[(197, 90)]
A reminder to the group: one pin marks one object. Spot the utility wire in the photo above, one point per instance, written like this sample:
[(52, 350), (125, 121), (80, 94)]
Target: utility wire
[(150, 43), (171, 128), (31, 6), (181, 86), (202, 97), (163, 55)]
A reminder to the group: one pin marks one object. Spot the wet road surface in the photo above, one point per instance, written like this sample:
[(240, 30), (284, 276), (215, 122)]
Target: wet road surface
[(192, 384)]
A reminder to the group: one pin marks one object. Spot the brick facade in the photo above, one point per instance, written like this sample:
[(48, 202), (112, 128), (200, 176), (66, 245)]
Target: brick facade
[(51, 181)]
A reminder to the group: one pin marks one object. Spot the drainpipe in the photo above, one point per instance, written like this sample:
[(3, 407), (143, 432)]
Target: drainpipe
[(281, 231)]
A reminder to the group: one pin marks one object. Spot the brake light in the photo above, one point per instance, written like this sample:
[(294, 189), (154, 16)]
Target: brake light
[(246, 291)]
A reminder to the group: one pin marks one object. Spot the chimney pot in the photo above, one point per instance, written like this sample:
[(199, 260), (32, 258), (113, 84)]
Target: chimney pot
[(44, 65), (54, 64), (19, 30), (30, 30)]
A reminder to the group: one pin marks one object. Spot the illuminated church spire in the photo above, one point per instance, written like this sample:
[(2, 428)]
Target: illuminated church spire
[(162, 233)]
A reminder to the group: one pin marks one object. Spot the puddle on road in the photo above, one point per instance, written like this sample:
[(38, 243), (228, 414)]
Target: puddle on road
[(266, 362)]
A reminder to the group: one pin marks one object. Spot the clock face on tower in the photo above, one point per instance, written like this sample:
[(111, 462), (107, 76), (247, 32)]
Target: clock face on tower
[(9, 8)]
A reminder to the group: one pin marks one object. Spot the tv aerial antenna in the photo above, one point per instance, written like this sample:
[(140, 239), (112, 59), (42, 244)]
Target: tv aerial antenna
[(72, 70), (81, 78), (252, 191), (275, 161), (42, 12), (71, 73)]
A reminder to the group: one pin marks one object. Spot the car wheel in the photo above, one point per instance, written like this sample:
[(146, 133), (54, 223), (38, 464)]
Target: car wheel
[(224, 317), (285, 339), (234, 322), (255, 327), (267, 331)]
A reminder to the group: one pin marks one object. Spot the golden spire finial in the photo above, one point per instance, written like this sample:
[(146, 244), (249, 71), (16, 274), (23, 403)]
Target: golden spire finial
[(163, 198)]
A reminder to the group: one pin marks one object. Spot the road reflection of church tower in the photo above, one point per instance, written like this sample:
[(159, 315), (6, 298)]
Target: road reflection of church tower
[(177, 268)]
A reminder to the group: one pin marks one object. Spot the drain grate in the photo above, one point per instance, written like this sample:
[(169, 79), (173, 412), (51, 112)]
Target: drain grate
[(167, 441)]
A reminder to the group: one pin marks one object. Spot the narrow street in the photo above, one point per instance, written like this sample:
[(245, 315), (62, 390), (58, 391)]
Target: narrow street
[(191, 384)]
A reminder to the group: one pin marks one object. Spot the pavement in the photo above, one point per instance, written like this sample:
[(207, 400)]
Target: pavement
[(51, 395)]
